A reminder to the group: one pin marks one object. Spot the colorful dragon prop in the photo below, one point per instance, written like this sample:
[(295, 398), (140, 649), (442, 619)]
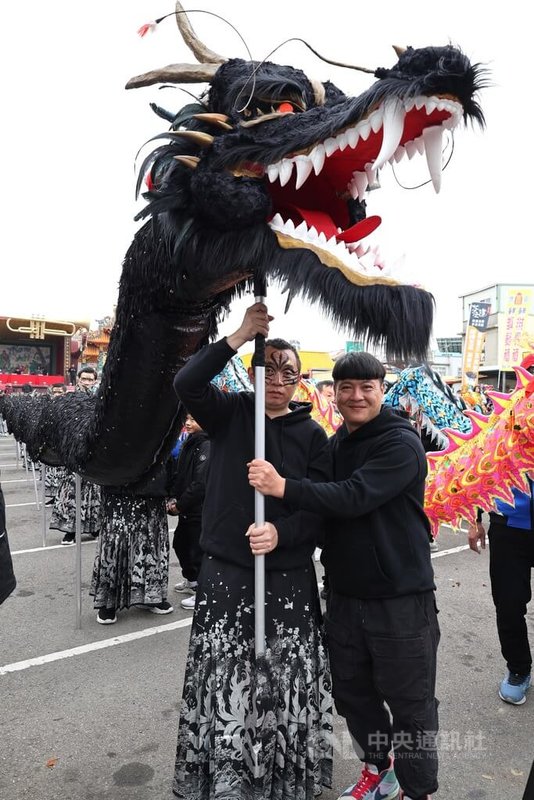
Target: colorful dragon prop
[(482, 466), (422, 393), (323, 411), (264, 177)]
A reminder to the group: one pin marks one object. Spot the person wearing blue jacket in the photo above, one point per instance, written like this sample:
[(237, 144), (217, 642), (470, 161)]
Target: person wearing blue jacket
[(511, 538)]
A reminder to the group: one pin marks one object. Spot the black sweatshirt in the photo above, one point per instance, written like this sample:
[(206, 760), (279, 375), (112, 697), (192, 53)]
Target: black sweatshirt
[(188, 483), (294, 443), (377, 534)]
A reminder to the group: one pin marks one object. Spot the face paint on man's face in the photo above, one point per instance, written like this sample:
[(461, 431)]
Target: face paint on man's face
[(280, 367)]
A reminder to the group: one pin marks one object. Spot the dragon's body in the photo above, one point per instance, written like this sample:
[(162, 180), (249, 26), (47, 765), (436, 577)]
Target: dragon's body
[(264, 178), (422, 393), (482, 466)]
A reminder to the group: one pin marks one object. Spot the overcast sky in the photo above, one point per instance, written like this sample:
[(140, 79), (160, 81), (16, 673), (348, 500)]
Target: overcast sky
[(70, 133)]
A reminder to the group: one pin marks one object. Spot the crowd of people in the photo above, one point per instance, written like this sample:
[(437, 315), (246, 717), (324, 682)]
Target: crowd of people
[(359, 496)]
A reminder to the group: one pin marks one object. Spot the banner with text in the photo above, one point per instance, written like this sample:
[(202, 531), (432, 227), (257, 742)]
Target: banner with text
[(474, 343), (516, 310)]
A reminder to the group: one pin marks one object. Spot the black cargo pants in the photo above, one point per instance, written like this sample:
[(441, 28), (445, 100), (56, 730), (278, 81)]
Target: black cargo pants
[(384, 652)]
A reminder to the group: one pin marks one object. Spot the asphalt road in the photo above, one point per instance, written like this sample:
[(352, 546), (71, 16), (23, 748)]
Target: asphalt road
[(92, 713)]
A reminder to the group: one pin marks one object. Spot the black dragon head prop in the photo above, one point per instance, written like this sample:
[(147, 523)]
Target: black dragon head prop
[(270, 175), (264, 178)]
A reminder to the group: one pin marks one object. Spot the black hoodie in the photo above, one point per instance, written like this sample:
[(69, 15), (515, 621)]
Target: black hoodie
[(377, 537), (188, 483), (294, 443)]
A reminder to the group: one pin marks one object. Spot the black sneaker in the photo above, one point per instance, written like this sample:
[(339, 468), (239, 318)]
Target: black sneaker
[(106, 616), (161, 608), (69, 538)]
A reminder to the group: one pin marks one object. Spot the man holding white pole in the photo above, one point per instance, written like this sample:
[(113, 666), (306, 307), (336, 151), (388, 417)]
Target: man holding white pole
[(233, 709)]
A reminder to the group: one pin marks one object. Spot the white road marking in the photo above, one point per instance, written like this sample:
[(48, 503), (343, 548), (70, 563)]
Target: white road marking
[(18, 480), (450, 552), (48, 547), (18, 505), (18, 666)]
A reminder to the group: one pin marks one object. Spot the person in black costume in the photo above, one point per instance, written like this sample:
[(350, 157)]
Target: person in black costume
[(188, 486)]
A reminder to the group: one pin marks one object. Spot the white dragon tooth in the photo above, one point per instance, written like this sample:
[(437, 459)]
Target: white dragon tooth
[(393, 127), (330, 146), (342, 141), (353, 191), (433, 148), (273, 170), (332, 241), (452, 121), (372, 176), (277, 220), (318, 157), (419, 102), (430, 106), (359, 180), (409, 104), (411, 149), (286, 170), (364, 129), (399, 154), (302, 229), (290, 226), (322, 238), (312, 233), (353, 137), (376, 120), (420, 145), (304, 168)]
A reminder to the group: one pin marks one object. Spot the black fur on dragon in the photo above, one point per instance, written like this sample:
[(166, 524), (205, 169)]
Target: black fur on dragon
[(266, 177)]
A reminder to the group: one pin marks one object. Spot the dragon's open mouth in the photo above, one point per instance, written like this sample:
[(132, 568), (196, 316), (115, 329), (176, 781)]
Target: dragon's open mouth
[(310, 188)]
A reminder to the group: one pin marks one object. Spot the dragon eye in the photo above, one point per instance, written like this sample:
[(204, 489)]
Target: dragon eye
[(285, 108)]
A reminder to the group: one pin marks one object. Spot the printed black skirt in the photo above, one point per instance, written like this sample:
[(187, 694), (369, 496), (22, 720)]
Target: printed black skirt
[(131, 565), (64, 510), (248, 730)]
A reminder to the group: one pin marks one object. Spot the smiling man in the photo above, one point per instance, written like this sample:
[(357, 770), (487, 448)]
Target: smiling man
[(381, 613)]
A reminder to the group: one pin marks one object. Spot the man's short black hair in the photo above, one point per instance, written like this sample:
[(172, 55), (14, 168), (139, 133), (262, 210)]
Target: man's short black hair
[(359, 367), (281, 344), (322, 384), (90, 370), (59, 386)]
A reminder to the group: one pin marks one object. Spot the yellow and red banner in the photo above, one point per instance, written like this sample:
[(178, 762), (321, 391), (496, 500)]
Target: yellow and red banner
[(517, 306)]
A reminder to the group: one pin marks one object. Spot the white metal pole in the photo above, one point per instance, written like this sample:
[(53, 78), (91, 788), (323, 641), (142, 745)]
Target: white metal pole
[(78, 549), (43, 502), (259, 499), (36, 490)]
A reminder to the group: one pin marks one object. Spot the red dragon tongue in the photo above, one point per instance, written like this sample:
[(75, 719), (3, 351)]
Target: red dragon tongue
[(360, 230), (323, 223)]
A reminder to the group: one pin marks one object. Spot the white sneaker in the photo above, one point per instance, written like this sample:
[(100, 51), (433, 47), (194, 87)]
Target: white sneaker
[(185, 587), (317, 554), (189, 603)]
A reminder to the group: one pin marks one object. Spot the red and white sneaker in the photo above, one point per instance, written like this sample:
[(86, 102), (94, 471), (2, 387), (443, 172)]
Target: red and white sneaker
[(374, 785)]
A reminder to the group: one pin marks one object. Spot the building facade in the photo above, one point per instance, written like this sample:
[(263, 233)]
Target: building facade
[(509, 335)]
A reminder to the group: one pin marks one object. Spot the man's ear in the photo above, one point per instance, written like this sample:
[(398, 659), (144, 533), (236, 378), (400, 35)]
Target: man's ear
[(250, 373)]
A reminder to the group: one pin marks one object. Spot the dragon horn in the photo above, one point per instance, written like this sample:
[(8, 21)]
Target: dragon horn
[(189, 161), (202, 53), (215, 119)]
